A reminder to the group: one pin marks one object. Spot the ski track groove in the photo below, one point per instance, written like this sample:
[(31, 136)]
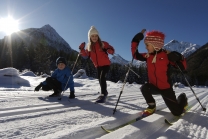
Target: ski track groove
[(62, 108), (157, 129), (35, 96), (163, 107), (43, 107)]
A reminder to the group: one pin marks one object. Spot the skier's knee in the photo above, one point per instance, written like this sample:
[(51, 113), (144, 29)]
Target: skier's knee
[(48, 79)]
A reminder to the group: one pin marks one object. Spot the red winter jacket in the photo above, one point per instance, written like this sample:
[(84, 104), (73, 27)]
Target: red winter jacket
[(157, 72), (99, 56)]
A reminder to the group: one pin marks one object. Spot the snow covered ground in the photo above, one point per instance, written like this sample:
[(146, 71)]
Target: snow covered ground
[(28, 114)]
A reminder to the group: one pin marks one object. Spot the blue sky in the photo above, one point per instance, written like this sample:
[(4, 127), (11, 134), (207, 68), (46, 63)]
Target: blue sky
[(116, 20)]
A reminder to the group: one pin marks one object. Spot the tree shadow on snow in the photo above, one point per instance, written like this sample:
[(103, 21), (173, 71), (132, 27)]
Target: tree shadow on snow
[(105, 109)]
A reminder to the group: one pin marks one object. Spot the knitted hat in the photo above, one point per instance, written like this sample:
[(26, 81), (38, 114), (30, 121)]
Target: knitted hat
[(60, 60), (155, 38), (92, 31)]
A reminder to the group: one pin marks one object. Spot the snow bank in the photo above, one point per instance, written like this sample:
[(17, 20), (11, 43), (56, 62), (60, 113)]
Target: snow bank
[(179, 85), (9, 72), (10, 78), (28, 73), (80, 74)]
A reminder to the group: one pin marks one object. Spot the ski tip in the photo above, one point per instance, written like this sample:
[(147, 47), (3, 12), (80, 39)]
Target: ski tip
[(106, 130), (167, 122)]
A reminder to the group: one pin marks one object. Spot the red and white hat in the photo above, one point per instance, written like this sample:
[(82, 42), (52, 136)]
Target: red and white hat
[(155, 38)]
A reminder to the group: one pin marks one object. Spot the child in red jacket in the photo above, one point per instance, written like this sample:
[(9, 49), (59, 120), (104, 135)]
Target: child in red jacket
[(98, 51), (158, 67)]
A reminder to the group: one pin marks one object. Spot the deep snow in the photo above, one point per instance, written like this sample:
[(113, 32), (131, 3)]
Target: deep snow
[(28, 114)]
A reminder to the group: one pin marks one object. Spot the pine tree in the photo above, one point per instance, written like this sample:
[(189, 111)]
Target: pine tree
[(42, 60)]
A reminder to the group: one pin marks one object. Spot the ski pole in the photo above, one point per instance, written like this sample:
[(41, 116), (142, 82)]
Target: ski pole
[(204, 109), (70, 76), (128, 67), (127, 75)]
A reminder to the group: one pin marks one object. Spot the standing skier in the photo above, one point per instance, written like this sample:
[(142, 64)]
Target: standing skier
[(98, 51), (158, 67), (58, 80)]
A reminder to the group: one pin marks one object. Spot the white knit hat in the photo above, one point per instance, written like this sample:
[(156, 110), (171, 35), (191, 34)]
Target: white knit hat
[(92, 31)]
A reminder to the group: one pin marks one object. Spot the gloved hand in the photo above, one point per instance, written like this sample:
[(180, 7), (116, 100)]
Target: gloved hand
[(110, 51), (37, 88), (139, 36), (71, 96), (82, 46), (180, 64), (175, 56)]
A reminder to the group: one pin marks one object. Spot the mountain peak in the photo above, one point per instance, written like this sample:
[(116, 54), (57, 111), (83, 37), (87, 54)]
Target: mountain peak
[(46, 32), (173, 41), (47, 26), (118, 59), (184, 48)]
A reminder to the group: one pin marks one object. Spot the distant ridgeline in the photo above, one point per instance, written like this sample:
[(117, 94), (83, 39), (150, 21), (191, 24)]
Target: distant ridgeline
[(36, 49)]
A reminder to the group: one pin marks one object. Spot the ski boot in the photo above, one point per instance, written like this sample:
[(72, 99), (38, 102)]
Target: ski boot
[(71, 96), (183, 101), (56, 93), (149, 111), (101, 99)]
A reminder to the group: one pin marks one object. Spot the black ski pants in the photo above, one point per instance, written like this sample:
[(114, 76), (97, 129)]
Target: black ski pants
[(52, 83), (101, 74), (168, 96)]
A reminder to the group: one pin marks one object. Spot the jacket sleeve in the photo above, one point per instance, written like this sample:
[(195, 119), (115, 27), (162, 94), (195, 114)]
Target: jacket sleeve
[(108, 48), (84, 53), (135, 54)]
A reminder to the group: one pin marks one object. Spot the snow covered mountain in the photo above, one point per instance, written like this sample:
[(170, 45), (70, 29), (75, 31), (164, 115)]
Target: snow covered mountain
[(45, 34), (118, 59), (50, 37), (184, 48)]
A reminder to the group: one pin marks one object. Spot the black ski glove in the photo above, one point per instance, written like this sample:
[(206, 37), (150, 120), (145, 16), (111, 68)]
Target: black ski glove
[(138, 37), (175, 56), (38, 87), (180, 64)]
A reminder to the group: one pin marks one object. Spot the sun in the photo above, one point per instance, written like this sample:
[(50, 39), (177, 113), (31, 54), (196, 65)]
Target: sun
[(8, 25)]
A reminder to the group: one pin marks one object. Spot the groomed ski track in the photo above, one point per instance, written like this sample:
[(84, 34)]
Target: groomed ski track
[(81, 118)]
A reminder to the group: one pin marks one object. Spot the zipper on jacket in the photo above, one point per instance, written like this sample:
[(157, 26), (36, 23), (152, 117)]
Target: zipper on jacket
[(155, 75), (96, 56)]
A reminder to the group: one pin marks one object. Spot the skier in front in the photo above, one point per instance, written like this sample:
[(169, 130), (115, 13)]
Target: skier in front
[(158, 67), (98, 51), (57, 81)]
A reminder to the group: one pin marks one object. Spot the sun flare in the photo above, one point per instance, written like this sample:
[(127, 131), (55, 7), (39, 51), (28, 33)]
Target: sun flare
[(8, 25)]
